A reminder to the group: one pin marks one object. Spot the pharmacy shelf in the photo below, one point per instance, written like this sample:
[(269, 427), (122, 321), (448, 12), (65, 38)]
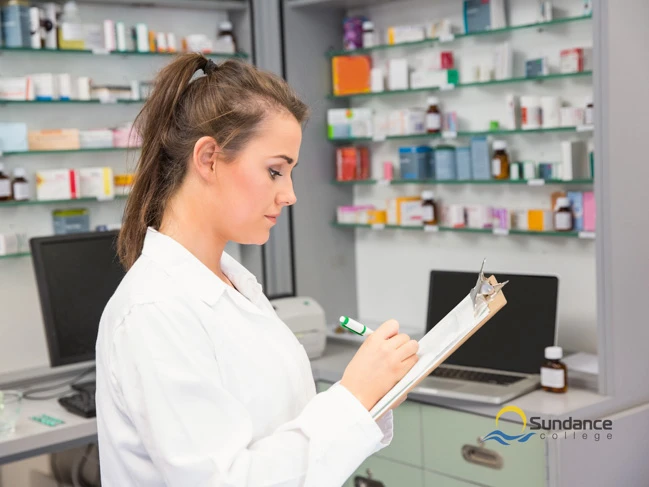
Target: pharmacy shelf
[(69, 102), (7, 204), (183, 4), (479, 84), (484, 231), (13, 256), (447, 39), (102, 52), (480, 182), (454, 135), (70, 151)]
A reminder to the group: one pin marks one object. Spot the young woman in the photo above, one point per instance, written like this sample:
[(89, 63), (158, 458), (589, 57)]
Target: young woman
[(199, 383)]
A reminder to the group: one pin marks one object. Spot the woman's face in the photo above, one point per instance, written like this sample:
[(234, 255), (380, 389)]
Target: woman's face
[(253, 189)]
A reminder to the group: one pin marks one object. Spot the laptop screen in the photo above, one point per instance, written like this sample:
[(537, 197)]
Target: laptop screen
[(515, 339)]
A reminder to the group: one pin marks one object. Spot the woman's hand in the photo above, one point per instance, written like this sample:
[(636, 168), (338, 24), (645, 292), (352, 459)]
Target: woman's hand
[(382, 360)]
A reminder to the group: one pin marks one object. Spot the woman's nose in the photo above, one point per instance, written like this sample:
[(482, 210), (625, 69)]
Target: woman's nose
[(287, 196)]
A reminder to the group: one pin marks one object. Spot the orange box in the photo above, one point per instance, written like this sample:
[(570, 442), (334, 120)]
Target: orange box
[(539, 220), (351, 74), (377, 216), (394, 212), (61, 139)]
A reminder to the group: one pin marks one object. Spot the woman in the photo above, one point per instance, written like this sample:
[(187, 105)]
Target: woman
[(198, 381)]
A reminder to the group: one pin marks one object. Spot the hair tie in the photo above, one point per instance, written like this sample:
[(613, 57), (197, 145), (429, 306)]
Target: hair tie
[(210, 67)]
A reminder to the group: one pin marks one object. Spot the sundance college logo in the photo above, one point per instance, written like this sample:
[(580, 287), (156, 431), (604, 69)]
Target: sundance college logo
[(570, 428)]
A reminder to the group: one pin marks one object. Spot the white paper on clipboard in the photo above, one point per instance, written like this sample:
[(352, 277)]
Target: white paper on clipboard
[(442, 338)]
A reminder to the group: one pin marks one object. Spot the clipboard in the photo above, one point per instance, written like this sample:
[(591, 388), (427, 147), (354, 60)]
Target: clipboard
[(455, 333)]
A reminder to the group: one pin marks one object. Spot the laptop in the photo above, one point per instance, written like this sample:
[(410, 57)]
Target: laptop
[(502, 360)]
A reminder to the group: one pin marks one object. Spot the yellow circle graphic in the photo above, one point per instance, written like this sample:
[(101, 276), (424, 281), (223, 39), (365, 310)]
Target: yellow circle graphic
[(512, 409)]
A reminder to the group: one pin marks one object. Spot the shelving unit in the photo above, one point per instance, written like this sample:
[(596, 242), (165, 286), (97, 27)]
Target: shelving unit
[(68, 151), (484, 231), (455, 37), (10, 204), (15, 256), (478, 84), (100, 52), (69, 102), (480, 182)]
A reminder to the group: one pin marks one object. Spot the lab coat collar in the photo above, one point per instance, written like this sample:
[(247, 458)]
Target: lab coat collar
[(194, 275)]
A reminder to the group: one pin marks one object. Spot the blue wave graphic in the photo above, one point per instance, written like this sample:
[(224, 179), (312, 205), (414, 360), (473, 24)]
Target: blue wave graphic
[(502, 438)]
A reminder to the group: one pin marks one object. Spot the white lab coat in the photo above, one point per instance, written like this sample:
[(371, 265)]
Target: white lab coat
[(199, 384)]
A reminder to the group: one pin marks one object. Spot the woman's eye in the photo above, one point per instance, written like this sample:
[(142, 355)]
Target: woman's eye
[(273, 173)]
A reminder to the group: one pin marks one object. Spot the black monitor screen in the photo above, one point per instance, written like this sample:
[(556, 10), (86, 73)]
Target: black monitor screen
[(515, 339), (76, 276)]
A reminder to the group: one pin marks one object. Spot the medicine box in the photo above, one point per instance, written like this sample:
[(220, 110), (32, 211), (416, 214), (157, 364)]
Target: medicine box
[(480, 160), (539, 220), (479, 216), (344, 123), (398, 74), (411, 213), (16, 89), (500, 218), (445, 166), (463, 163), (351, 74), (57, 184), (414, 162), (575, 60), (97, 182), (125, 137), (376, 217), (61, 139), (13, 137), (577, 203), (397, 213), (589, 211), (575, 160), (433, 78), (96, 139), (352, 163), (71, 221), (453, 216), (519, 220), (8, 243)]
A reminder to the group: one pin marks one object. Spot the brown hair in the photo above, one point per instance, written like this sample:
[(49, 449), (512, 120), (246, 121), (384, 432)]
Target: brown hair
[(228, 103)]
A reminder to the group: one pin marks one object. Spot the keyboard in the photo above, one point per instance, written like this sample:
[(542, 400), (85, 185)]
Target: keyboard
[(83, 402), (473, 376)]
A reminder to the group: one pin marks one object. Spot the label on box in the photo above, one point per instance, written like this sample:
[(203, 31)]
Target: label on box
[(431, 228), (536, 182), (449, 135), (585, 128), (378, 226), (447, 87), (446, 38), (587, 235), (503, 232)]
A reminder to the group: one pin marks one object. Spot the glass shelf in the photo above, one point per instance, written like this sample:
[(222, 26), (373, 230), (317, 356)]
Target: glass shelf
[(485, 231), (68, 102), (6, 204), (241, 55), (548, 77), (481, 182), (13, 256), (68, 151), (455, 135), (428, 42)]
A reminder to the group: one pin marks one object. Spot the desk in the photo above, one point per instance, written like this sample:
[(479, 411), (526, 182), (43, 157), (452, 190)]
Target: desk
[(32, 438)]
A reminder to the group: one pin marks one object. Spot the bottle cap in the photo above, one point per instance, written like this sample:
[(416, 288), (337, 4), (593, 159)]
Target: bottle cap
[(225, 25), (368, 25), (562, 202), (553, 353), (19, 172), (433, 100), (427, 195), (500, 145)]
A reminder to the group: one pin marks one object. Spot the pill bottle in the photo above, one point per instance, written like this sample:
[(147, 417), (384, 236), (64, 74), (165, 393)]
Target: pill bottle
[(5, 185), (368, 34), (20, 186), (563, 217), (588, 113), (500, 161), (433, 116), (554, 373), (226, 33), (429, 207)]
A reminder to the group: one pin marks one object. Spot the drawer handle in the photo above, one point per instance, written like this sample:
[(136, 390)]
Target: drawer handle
[(482, 456)]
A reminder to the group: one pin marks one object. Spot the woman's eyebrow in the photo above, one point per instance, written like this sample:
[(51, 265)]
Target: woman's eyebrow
[(282, 156)]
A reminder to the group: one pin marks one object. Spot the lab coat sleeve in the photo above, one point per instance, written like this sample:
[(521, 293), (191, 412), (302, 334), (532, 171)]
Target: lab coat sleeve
[(166, 378)]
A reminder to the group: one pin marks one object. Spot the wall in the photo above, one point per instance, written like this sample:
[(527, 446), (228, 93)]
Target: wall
[(393, 267), (22, 341)]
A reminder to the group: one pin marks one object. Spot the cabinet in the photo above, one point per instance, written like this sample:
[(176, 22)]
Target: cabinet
[(390, 473)]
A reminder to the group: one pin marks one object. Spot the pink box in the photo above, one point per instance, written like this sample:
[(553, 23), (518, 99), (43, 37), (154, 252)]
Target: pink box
[(589, 211), (126, 137), (501, 218)]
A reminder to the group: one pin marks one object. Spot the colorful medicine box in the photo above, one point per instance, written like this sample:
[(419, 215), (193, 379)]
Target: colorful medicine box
[(57, 184), (577, 202), (414, 162), (61, 139), (539, 220), (97, 182), (400, 210), (351, 74), (589, 211)]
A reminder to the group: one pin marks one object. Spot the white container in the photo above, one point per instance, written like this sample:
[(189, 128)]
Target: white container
[(550, 111), (17, 89), (44, 86), (161, 41), (96, 139), (49, 25), (377, 80), (35, 27), (120, 32), (97, 182), (135, 90), (511, 102), (171, 42), (110, 41), (83, 88), (64, 82), (530, 112), (398, 74), (142, 37), (368, 34)]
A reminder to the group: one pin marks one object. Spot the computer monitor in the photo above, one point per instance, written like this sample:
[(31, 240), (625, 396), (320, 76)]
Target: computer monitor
[(76, 275), (515, 339)]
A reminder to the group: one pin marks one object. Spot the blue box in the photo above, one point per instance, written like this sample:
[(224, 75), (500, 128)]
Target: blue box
[(545, 170), (463, 163), (71, 221), (414, 162), (445, 169), (477, 15), (16, 26), (577, 202), (480, 161), (13, 137)]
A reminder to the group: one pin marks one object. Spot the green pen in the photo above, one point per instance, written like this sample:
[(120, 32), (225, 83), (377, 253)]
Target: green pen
[(354, 326)]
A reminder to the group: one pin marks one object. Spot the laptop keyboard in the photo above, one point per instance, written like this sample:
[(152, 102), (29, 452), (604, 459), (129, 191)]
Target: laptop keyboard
[(470, 375)]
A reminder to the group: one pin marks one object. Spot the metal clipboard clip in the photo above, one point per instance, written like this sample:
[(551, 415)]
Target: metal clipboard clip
[(484, 291)]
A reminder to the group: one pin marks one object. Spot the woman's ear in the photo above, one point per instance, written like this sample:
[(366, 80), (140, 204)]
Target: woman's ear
[(206, 154)]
